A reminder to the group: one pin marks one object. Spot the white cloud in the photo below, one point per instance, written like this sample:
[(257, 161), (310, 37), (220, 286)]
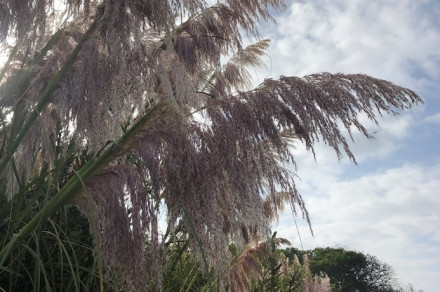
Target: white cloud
[(389, 211), (392, 214), (389, 135), (395, 40), (433, 119)]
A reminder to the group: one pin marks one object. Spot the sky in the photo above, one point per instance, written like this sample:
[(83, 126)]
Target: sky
[(389, 204)]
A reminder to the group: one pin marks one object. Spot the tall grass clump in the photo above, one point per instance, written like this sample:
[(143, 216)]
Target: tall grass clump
[(111, 109)]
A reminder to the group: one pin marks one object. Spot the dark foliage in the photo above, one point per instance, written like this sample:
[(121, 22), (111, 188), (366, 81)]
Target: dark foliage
[(349, 270)]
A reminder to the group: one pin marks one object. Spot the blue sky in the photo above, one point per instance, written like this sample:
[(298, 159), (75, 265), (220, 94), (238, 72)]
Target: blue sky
[(389, 204)]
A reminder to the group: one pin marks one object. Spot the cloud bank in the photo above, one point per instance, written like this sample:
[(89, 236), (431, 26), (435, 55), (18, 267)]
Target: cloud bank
[(389, 204)]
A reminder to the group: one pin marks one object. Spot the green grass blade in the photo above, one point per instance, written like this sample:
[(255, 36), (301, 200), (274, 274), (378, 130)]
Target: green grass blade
[(74, 272), (95, 234), (47, 95), (68, 191)]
